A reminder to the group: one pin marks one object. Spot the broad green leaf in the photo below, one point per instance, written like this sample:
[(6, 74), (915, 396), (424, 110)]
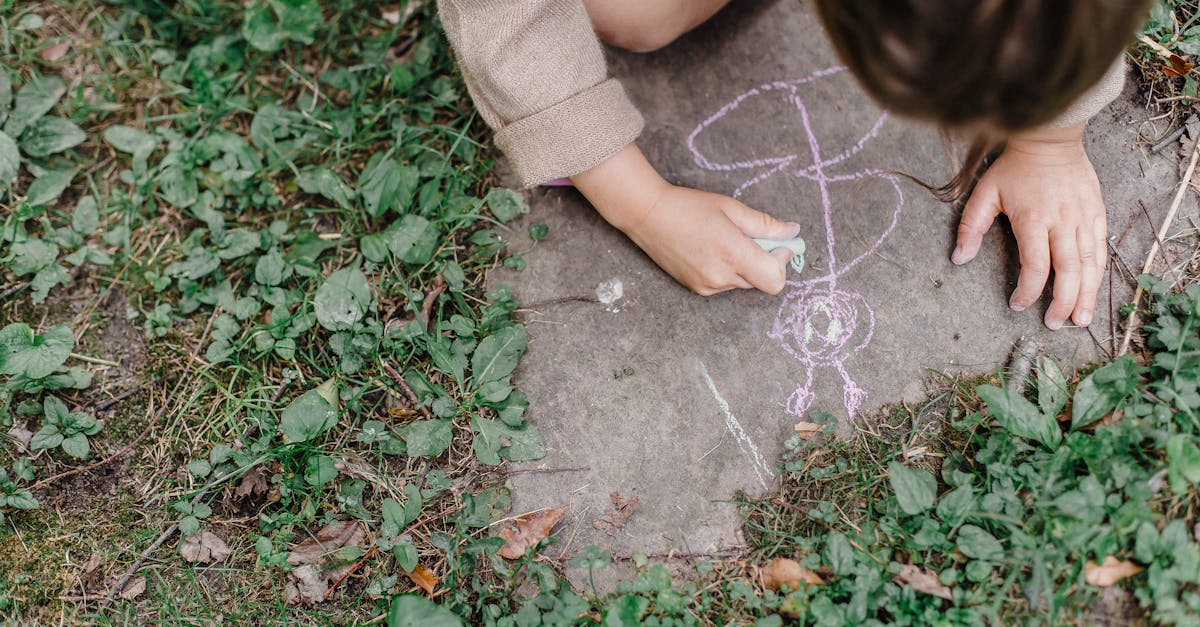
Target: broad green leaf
[(427, 438), (1183, 463), (1051, 387), (51, 135), (411, 610), (10, 160), (954, 506), (34, 100), (506, 204), (387, 185), (85, 219), (34, 356), (319, 470), (497, 355), (22, 500), (1102, 390), (413, 239), (46, 438), (915, 489), (486, 443), (1020, 417), (323, 182), (271, 269), (188, 526), (307, 417), (393, 518), (137, 143), (48, 187), (977, 543), (405, 552), (5, 90), (286, 20), (342, 299), (32, 255), (839, 554), (76, 446), (521, 445)]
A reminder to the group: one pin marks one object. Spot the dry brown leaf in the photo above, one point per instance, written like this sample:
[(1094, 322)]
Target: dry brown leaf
[(615, 519), (254, 482), (22, 436), (782, 571), (56, 51), (922, 580), (136, 586), (423, 578), (1110, 572), (314, 559), (205, 547), (807, 430), (527, 530), (91, 572)]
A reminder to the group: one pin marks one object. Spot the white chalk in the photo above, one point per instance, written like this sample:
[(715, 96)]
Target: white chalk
[(796, 245)]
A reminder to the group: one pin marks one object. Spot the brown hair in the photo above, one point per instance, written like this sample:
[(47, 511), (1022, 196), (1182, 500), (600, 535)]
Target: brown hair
[(986, 67)]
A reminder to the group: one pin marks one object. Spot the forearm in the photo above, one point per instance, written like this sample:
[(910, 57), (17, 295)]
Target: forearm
[(623, 188)]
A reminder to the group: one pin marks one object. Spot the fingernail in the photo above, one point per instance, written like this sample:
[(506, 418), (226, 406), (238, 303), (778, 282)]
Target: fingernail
[(1054, 325), (959, 257), (1084, 318), (1015, 306), (793, 229)]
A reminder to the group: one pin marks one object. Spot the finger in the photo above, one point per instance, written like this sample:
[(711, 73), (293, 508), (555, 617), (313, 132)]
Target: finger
[(1064, 252), (758, 224), (1100, 233), (1089, 273), (978, 216), (1034, 248), (765, 271)]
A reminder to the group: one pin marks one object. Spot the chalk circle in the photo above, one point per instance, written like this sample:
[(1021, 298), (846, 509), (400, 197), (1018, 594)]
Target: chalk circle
[(823, 326)]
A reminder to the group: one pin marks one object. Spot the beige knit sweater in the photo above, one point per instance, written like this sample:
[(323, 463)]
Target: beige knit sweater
[(536, 71)]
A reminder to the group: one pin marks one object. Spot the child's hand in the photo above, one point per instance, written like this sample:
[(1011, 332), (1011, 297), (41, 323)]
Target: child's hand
[(1045, 184), (700, 239)]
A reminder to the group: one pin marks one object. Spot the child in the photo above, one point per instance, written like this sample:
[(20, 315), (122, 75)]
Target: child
[(1024, 75)]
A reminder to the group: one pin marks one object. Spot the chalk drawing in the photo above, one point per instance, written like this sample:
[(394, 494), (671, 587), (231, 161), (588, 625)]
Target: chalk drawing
[(609, 292), (819, 323), (761, 468)]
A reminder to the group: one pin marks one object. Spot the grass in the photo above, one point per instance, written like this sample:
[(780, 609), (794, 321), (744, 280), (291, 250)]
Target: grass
[(242, 261)]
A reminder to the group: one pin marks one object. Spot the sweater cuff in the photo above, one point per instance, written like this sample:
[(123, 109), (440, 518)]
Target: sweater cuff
[(1095, 98), (572, 136)]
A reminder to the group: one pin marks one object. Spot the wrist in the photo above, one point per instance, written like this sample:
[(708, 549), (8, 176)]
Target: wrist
[(1049, 142), (623, 188)]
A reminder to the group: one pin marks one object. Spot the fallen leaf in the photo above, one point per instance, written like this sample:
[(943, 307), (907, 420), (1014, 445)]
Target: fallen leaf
[(91, 572), (136, 586), (328, 539), (615, 519), (55, 51), (782, 571), (253, 483), (205, 547), (21, 435), (808, 429), (527, 530), (423, 578), (1110, 572), (318, 564), (922, 580)]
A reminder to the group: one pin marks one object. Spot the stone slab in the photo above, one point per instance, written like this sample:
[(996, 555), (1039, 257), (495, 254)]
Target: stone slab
[(684, 401)]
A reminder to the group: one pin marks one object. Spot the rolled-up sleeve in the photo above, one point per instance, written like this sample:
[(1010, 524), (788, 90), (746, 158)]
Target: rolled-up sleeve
[(1095, 98), (537, 74)]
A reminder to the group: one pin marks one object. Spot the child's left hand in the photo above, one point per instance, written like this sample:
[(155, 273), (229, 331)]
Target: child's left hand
[(1045, 184)]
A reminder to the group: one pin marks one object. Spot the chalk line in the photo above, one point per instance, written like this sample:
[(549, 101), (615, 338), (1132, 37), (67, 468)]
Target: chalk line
[(740, 436)]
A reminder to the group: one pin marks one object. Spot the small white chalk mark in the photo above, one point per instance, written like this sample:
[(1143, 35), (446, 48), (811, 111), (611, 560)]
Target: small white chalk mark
[(760, 465)]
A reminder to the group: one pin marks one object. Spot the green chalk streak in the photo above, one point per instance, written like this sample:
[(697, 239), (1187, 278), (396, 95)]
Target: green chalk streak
[(796, 245)]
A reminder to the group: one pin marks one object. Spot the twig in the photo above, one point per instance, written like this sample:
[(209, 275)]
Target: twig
[(546, 470), (1131, 321), (670, 555), (439, 286), (103, 406), (92, 466), (1168, 140), (124, 580), (1023, 356), (559, 301), (412, 396), (350, 571), (95, 360)]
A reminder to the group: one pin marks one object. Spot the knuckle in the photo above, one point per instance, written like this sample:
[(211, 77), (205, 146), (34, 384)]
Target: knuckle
[(1036, 267)]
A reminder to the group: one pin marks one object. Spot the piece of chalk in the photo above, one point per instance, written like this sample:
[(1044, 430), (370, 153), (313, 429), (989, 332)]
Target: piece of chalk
[(796, 245)]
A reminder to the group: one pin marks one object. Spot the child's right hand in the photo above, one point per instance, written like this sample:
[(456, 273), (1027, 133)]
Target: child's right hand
[(701, 239)]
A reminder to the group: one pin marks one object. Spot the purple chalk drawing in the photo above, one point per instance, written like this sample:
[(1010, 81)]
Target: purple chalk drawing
[(819, 323)]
